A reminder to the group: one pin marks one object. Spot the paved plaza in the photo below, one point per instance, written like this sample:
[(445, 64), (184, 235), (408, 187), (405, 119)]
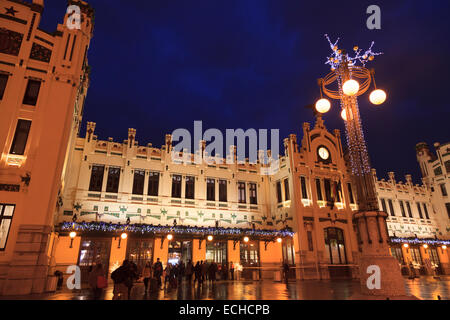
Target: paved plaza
[(426, 288)]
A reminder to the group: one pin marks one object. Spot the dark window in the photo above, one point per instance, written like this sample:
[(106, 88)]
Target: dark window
[(303, 185), (443, 189), (438, 171), (420, 210), (408, 206), (223, 191), (447, 206), (391, 207), (319, 190), (383, 205), (210, 189), (402, 208), (153, 184), (350, 192), (3, 82), (176, 186), (310, 240), (112, 184), (138, 182), (287, 195), (20, 137), (6, 215), (327, 184), (253, 194), (32, 92), (279, 198), (241, 192), (190, 187), (425, 209), (97, 178), (447, 166)]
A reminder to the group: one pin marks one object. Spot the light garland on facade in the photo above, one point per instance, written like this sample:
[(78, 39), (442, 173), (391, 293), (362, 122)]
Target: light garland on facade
[(189, 230), (420, 241)]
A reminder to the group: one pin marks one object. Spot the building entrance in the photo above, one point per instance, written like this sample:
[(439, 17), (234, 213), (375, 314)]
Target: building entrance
[(93, 251), (180, 251)]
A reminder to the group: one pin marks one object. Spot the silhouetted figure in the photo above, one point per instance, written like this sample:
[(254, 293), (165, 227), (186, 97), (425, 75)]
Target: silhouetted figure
[(157, 271), (232, 270), (286, 271)]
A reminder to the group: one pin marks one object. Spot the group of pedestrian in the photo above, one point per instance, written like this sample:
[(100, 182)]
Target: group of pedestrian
[(126, 275)]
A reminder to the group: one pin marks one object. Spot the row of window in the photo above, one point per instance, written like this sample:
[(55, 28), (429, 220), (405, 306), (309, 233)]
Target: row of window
[(31, 92), (112, 185), (333, 190), (408, 210)]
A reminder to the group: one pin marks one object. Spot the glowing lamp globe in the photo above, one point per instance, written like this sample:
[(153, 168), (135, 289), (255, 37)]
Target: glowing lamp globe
[(123, 236), (169, 237), (73, 234), (444, 247), (246, 239), (210, 238), (279, 240), (425, 246), (323, 105), (377, 96), (350, 87), (406, 245), (344, 115)]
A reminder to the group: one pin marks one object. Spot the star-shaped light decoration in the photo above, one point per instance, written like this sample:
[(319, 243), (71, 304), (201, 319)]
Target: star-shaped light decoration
[(11, 11)]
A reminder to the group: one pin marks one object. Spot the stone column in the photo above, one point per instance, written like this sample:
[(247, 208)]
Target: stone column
[(28, 268), (373, 238)]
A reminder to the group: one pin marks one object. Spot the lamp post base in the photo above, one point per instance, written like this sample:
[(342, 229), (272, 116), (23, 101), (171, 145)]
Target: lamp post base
[(380, 273)]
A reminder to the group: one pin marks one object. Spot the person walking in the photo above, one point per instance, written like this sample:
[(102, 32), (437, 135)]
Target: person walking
[(168, 274), (232, 270), (224, 271), (212, 272), (97, 281), (181, 270), (189, 271), (157, 272), (121, 277), (286, 271), (204, 271), (147, 274), (198, 273), (132, 277)]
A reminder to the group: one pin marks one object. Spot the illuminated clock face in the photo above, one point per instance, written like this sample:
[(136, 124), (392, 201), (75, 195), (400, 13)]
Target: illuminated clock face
[(323, 153)]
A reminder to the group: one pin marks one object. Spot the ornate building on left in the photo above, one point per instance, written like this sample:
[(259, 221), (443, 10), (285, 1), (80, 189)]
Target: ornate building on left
[(44, 77)]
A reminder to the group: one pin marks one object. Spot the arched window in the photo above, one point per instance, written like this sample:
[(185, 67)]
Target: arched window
[(335, 246)]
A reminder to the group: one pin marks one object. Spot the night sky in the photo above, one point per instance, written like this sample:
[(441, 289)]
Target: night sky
[(160, 65)]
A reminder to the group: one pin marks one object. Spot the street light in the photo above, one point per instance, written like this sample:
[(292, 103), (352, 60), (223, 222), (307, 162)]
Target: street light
[(169, 237), (210, 238), (352, 81), (72, 236), (279, 240), (246, 239)]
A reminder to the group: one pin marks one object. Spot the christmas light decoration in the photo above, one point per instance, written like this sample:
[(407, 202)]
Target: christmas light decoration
[(433, 242), (112, 228)]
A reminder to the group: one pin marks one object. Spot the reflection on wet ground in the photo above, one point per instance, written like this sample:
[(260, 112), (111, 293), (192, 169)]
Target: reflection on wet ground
[(426, 288)]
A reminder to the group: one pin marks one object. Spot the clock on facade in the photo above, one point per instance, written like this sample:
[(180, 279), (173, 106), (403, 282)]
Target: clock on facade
[(324, 154)]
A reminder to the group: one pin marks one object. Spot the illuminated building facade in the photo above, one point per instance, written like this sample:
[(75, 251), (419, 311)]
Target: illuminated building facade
[(43, 84)]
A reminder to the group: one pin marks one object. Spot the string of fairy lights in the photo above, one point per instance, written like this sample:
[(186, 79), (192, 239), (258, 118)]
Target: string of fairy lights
[(114, 228), (425, 242)]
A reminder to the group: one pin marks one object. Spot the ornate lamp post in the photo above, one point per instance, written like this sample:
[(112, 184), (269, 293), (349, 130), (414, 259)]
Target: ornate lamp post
[(350, 81), (345, 73)]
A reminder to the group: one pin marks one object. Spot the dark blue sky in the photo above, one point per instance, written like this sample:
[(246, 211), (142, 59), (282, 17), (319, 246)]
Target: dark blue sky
[(159, 65)]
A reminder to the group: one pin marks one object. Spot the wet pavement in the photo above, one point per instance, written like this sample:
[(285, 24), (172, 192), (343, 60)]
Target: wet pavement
[(426, 288)]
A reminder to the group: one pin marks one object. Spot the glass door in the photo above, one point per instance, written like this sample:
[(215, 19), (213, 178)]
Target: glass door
[(93, 251), (140, 251)]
